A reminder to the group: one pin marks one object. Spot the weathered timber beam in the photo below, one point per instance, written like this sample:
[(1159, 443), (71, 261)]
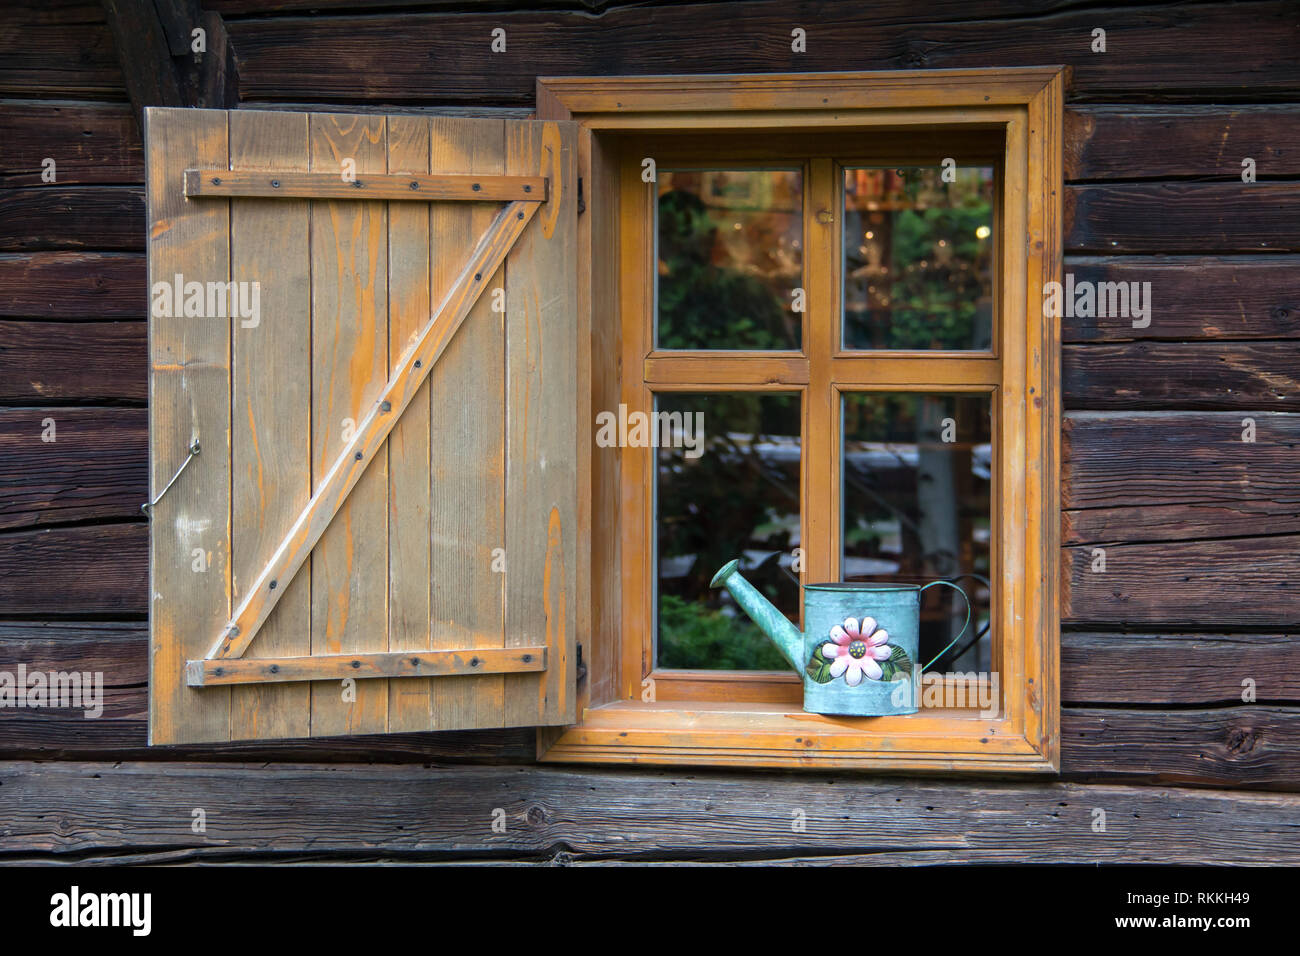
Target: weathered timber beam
[(67, 811), (156, 47), (282, 670), (372, 431), (223, 183), (143, 51)]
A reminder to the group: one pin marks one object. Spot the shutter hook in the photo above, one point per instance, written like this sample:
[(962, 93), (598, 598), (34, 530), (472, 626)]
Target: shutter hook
[(148, 506)]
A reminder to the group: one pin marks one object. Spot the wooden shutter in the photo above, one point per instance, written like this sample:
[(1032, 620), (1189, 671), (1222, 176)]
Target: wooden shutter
[(386, 483)]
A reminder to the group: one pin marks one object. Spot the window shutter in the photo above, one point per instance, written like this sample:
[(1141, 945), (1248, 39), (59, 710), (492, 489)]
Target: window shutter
[(364, 392)]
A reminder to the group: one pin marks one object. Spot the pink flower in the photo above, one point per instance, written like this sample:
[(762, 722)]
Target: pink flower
[(855, 648)]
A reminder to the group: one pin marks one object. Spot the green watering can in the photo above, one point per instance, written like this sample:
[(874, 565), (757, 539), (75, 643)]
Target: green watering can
[(858, 656)]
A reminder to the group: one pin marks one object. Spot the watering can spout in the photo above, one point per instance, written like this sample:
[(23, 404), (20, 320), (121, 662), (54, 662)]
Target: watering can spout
[(777, 627)]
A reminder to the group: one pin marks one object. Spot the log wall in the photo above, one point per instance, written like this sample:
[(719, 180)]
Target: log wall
[(1201, 531)]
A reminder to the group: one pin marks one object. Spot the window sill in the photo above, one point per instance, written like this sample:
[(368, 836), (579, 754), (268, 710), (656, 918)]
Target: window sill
[(774, 735)]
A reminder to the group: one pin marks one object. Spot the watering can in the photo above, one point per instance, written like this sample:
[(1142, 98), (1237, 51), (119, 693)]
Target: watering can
[(858, 656)]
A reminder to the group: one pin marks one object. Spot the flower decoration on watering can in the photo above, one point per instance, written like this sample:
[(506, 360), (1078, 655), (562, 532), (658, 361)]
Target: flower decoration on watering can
[(858, 649)]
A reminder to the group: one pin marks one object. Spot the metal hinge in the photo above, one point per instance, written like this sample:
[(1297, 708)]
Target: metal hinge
[(582, 203)]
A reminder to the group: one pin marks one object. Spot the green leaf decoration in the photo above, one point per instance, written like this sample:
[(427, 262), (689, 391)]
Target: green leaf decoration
[(819, 668), (897, 667)]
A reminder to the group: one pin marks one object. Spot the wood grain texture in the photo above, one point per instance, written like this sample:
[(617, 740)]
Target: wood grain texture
[(95, 569), (1262, 376), (151, 66), (1141, 142), (467, 428), (1195, 297), (363, 812), (102, 218), (385, 57), (1170, 476), (1255, 746), (349, 306), (73, 285), (542, 430), (364, 439), (271, 406), (189, 392), (1190, 584), (409, 530), (88, 143), (278, 670), (96, 467), (46, 362), (1109, 668), (408, 187), (1182, 217), (60, 50)]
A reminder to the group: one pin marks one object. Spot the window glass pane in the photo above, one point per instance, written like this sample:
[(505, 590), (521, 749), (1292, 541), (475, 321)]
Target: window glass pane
[(729, 247), (916, 507), (735, 494), (918, 258)]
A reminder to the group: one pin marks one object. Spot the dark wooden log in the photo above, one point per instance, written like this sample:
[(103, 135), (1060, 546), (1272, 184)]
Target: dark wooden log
[(140, 38), (1251, 745), (74, 285), (216, 77), (1187, 584), (1169, 476), (89, 144), (1210, 375), (68, 362), (97, 466), (95, 569), (1157, 142), (894, 10), (58, 50), (72, 217), (56, 811), (1109, 668), (1195, 297), (403, 56), (117, 649), (1182, 217)]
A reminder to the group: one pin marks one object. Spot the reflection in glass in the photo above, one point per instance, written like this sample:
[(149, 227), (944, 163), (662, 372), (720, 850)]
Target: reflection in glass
[(916, 506), (918, 258), (733, 495), (729, 248)]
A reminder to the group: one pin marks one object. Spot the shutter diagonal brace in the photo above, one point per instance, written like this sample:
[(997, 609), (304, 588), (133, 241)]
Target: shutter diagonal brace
[(372, 431)]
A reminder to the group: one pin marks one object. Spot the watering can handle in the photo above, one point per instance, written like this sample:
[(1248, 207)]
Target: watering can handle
[(965, 598)]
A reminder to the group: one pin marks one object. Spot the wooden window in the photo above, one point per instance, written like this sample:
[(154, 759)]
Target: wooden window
[(816, 156), (378, 502)]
